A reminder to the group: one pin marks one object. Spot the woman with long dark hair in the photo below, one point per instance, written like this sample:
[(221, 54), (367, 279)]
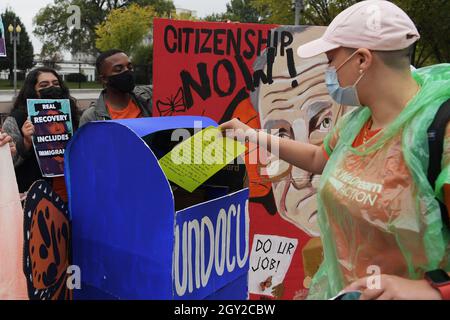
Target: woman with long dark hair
[(40, 83)]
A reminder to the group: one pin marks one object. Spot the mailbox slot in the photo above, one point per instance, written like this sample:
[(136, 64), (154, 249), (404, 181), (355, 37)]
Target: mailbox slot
[(226, 181)]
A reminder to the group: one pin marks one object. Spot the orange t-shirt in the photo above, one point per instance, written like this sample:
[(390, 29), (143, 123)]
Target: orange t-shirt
[(364, 134), (131, 111), (367, 134)]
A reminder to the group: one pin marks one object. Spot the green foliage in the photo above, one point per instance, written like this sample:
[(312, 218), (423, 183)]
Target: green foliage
[(51, 22), (24, 49), (143, 64), (431, 18), (322, 12), (237, 11), (76, 77), (215, 17), (143, 55), (274, 11), (125, 28), (242, 11)]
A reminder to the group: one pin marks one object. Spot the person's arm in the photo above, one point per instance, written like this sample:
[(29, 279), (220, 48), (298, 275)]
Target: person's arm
[(302, 155), (87, 116), (11, 128)]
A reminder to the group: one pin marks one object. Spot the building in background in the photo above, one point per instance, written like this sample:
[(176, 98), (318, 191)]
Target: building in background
[(79, 63), (83, 57), (181, 11)]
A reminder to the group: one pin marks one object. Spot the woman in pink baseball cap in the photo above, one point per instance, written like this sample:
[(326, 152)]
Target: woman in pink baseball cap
[(384, 193)]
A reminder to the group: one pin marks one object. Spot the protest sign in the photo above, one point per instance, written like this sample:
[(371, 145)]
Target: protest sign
[(2, 39), (47, 244), (53, 129), (270, 259), (252, 72)]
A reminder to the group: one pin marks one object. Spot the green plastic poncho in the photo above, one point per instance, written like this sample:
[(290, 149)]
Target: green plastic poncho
[(377, 210)]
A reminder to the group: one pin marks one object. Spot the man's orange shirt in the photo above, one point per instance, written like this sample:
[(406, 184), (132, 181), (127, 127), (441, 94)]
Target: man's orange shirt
[(132, 111)]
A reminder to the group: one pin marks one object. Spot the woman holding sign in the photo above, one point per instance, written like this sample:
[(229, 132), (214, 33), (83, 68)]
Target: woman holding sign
[(384, 197), (40, 83)]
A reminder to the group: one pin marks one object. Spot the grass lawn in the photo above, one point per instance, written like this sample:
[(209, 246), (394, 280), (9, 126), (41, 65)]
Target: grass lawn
[(5, 85)]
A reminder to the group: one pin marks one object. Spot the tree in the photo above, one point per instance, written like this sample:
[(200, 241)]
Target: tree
[(51, 21), (183, 16), (215, 17), (322, 12), (51, 58), (315, 12), (125, 28), (431, 18), (242, 11), (274, 11), (143, 54), (143, 63), (24, 48), (434, 46), (163, 8), (237, 11)]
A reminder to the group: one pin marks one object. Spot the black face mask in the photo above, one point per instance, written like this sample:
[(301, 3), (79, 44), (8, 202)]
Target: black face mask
[(123, 82), (52, 93)]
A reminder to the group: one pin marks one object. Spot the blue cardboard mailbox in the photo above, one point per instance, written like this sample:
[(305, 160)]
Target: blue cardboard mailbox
[(136, 235)]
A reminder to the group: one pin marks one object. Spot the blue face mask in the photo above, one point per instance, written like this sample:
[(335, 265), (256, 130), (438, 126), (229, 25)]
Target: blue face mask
[(347, 96)]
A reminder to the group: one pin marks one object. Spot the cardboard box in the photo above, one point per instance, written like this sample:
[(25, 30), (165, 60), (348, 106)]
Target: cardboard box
[(137, 237)]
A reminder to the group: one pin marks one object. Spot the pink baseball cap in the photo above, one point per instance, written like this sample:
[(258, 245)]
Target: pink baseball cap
[(373, 24)]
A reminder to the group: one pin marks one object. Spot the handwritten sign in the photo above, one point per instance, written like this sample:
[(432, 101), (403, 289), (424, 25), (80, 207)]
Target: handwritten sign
[(270, 259), (198, 158)]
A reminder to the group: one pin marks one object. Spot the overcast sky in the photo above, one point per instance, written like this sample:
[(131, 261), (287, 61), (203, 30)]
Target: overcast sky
[(27, 9)]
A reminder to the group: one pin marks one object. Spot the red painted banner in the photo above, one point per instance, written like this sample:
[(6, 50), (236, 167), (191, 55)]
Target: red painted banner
[(252, 72)]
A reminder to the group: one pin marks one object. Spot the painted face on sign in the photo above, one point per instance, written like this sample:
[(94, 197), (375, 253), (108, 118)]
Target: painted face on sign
[(56, 127), (305, 113)]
